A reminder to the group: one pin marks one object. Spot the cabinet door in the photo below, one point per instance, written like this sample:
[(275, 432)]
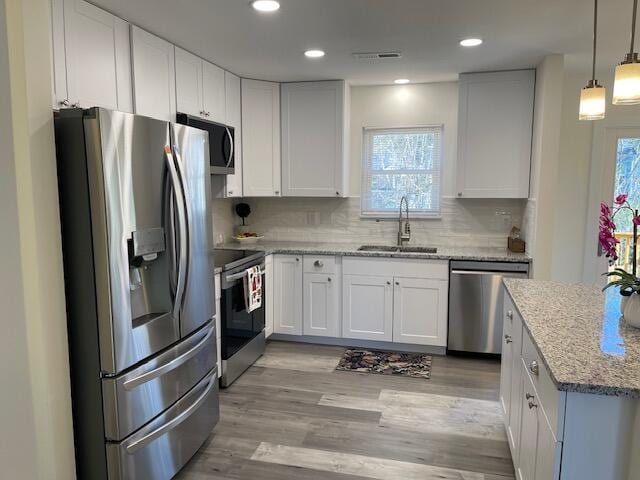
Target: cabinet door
[(96, 55), (154, 79), (528, 430), (494, 134), (420, 311), (234, 119), (287, 306), (321, 305), (517, 379), (367, 308), (270, 295), (260, 138), (313, 139), (548, 453), (188, 83), (506, 365), (213, 93)]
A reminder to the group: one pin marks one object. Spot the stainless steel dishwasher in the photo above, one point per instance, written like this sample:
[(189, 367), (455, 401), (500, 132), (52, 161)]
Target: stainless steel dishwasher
[(475, 304)]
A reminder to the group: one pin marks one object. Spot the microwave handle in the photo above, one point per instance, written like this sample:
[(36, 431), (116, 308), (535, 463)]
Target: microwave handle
[(231, 142)]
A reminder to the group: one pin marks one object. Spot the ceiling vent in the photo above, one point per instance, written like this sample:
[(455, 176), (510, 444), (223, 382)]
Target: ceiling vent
[(377, 55)]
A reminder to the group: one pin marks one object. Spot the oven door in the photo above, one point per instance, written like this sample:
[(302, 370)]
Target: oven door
[(238, 326)]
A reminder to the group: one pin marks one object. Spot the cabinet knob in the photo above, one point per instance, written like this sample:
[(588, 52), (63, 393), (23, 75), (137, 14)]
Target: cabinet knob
[(329, 279), (510, 314), (318, 263), (203, 113), (277, 192), (75, 105), (534, 368), (207, 114), (338, 193), (508, 339), (459, 194), (529, 396), (388, 283), (532, 404), (65, 102), (397, 283), (230, 192), (297, 259)]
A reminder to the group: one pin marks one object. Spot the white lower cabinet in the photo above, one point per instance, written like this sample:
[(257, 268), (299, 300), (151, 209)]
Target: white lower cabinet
[(269, 297), (321, 304), (287, 294), (367, 311), (420, 311)]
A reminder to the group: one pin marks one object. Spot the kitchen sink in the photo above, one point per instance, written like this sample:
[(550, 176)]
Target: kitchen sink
[(387, 248), (378, 248), (419, 249)]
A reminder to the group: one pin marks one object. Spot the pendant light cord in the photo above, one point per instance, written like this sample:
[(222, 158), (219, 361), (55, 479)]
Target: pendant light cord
[(595, 31), (633, 26)]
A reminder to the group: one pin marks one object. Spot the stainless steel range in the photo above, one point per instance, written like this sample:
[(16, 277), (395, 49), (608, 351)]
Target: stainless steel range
[(134, 195), (242, 336)]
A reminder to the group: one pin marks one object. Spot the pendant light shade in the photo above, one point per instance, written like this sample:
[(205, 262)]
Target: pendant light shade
[(626, 88), (593, 102)]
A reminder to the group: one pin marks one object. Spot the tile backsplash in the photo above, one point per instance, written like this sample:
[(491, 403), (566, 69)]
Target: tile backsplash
[(479, 222)]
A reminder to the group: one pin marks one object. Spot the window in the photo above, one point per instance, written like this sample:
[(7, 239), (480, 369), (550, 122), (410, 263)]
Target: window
[(401, 161)]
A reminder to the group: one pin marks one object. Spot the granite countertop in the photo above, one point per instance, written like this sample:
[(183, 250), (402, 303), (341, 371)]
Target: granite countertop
[(351, 249), (580, 336)]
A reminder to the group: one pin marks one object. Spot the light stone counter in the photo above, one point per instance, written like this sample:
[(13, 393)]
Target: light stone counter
[(350, 249), (580, 336)]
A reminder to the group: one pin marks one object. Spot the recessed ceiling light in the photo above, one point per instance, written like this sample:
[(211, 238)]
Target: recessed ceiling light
[(314, 53), (265, 5), (471, 42), (401, 81)]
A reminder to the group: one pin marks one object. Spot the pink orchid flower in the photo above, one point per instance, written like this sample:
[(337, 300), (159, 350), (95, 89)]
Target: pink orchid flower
[(620, 199)]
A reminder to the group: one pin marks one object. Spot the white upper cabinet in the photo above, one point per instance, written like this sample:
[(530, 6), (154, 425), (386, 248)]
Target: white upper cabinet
[(188, 83), (213, 92), (494, 134), (91, 57), (315, 121), (260, 138), (234, 119), (154, 78)]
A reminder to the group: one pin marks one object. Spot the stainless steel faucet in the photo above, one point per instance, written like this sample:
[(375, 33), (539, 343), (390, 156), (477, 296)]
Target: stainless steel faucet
[(404, 235)]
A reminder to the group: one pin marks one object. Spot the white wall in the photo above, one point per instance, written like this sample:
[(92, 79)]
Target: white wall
[(483, 223), (406, 106), (37, 439), (539, 216)]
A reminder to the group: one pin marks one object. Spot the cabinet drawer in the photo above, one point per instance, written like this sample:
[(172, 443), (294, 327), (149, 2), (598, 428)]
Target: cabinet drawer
[(549, 397), (319, 264)]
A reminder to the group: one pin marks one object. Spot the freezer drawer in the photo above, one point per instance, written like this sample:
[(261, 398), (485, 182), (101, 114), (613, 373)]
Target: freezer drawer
[(161, 448), (475, 306), (133, 399)]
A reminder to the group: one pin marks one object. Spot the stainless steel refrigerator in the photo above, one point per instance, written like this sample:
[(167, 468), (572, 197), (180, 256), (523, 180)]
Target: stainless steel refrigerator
[(136, 230)]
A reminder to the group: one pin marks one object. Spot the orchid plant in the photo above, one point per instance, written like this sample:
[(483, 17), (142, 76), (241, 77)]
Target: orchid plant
[(628, 282)]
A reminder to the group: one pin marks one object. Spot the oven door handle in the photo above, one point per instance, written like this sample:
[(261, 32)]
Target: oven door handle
[(238, 276)]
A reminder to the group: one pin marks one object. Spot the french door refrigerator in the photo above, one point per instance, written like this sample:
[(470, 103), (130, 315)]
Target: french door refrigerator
[(134, 196)]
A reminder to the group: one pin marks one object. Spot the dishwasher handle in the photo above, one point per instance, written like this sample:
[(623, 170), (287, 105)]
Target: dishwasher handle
[(482, 272)]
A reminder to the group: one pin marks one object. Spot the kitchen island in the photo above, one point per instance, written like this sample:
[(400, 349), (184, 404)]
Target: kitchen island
[(570, 383)]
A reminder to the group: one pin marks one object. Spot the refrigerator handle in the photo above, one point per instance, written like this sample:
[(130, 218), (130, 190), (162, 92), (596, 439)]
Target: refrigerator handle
[(185, 234), (170, 231), (182, 227), (231, 142)]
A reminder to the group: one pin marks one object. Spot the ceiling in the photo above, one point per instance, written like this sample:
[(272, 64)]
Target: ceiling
[(517, 33)]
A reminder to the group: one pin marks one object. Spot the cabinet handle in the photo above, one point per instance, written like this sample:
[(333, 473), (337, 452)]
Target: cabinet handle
[(532, 404), (508, 339), (65, 102), (534, 368), (529, 396), (510, 314), (329, 279), (397, 283), (388, 283), (318, 263)]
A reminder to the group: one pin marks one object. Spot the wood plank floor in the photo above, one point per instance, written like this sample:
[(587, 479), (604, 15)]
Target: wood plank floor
[(293, 417)]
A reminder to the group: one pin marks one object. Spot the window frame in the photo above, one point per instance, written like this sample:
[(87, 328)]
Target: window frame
[(367, 135)]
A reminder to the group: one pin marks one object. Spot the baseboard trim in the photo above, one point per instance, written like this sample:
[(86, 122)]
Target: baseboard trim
[(353, 342)]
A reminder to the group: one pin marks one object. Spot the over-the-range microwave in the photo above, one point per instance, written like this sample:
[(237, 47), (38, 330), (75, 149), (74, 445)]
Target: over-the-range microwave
[(221, 143)]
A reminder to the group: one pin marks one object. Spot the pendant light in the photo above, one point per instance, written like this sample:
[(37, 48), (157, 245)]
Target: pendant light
[(593, 96), (626, 88)]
